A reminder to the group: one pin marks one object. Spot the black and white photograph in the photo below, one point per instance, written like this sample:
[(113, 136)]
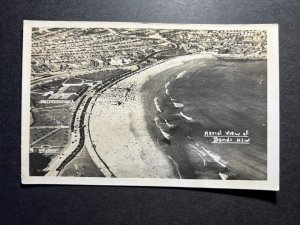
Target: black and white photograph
[(184, 105)]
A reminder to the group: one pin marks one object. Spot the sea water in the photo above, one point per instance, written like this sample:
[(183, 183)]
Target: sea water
[(185, 102)]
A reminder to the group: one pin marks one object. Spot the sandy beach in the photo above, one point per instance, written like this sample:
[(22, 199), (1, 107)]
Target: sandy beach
[(152, 124), (119, 130)]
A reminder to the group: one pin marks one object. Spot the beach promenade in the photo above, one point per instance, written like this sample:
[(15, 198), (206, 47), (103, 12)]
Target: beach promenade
[(119, 131)]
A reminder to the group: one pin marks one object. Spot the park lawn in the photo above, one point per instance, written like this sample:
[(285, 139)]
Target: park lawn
[(58, 138), (102, 75), (35, 134)]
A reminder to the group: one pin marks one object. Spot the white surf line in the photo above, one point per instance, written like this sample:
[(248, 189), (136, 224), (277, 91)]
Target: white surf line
[(186, 117), (156, 104), (176, 166), (165, 134), (180, 75), (204, 163), (222, 175), (44, 136), (200, 153), (166, 87), (214, 157), (175, 163), (178, 104), (169, 125)]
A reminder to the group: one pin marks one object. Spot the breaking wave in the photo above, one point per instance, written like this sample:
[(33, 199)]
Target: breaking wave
[(169, 125), (186, 117), (157, 105), (180, 75), (216, 158), (166, 87), (178, 104), (165, 134)]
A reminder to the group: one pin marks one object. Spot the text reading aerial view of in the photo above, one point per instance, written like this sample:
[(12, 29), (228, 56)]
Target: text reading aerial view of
[(150, 105)]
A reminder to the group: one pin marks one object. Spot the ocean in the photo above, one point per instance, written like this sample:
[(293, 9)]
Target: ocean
[(184, 103)]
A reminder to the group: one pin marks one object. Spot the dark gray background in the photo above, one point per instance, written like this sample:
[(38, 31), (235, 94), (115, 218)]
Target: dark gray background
[(132, 205)]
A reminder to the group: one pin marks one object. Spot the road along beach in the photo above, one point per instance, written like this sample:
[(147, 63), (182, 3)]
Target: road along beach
[(152, 123), (119, 130)]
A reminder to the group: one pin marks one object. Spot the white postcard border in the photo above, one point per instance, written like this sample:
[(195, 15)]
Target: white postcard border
[(272, 182)]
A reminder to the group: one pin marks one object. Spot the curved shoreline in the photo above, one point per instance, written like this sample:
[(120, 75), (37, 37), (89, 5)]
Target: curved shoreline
[(158, 102), (190, 106), (119, 130)]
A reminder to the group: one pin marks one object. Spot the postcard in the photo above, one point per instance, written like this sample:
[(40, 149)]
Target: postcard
[(142, 104)]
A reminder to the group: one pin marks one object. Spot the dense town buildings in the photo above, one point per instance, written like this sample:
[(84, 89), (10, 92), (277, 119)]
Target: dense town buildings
[(57, 49)]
